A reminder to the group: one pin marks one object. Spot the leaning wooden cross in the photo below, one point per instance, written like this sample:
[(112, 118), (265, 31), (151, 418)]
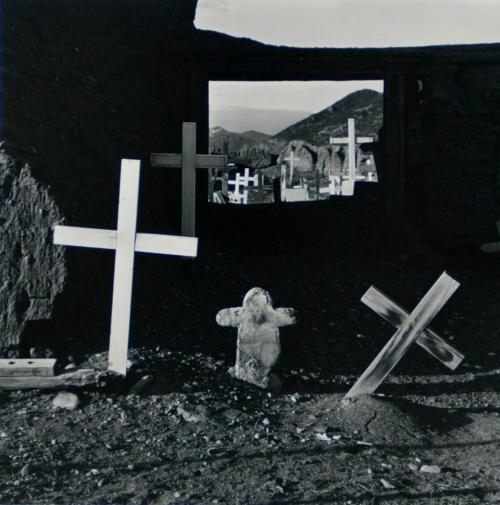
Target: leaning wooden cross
[(189, 161), (411, 327), (126, 242), (492, 246), (351, 140)]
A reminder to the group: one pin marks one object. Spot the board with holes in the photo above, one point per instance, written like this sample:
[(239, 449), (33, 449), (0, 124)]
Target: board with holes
[(27, 367)]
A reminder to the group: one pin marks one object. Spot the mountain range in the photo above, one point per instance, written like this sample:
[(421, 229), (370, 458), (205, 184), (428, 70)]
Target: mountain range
[(365, 106)]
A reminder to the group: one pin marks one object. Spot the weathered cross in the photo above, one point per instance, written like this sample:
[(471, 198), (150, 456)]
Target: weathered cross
[(189, 161), (351, 140), (492, 246), (258, 346), (411, 328), (126, 242)]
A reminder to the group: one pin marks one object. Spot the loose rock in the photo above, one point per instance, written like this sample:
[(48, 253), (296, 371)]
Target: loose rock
[(66, 401), (430, 469)]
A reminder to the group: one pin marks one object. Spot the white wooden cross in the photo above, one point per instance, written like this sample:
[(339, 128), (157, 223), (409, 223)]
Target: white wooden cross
[(291, 160), (246, 179), (126, 242), (351, 140), (492, 246), (189, 161), (411, 328), (243, 181)]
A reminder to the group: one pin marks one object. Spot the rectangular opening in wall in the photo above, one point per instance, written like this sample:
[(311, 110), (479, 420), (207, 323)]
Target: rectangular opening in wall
[(290, 141)]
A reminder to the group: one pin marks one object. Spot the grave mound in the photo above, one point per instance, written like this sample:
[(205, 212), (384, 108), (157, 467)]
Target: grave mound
[(390, 420)]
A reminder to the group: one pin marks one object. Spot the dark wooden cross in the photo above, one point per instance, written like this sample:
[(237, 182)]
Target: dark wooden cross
[(411, 328), (189, 161)]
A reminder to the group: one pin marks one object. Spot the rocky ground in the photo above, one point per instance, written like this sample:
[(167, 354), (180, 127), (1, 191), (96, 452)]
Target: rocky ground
[(195, 436)]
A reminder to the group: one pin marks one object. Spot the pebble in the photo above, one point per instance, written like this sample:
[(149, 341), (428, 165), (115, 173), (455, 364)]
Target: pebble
[(65, 400), (193, 415), (430, 469), (387, 484)]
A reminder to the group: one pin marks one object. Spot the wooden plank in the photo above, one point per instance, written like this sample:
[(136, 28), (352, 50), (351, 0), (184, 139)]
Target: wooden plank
[(85, 237), (491, 247), (168, 160), (211, 181), (396, 315), (401, 341), (345, 140), (352, 149), (77, 378), (216, 161), (27, 367), (124, 266), (188, 179), (166, 244), (318, 183)]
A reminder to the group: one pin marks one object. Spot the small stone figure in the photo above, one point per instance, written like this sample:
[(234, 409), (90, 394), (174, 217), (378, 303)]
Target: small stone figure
[(259, 347)]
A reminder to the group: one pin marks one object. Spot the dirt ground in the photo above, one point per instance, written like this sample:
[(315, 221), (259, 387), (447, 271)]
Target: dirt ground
[(196, 436)]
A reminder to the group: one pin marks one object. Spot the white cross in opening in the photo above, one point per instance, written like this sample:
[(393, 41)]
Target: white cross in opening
[(125, 241), (351, 140), (243, 181)]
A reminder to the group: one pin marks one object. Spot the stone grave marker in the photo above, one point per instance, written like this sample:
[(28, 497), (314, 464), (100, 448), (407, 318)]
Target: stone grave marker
[(410, 328), (258, 345), (126, 242)]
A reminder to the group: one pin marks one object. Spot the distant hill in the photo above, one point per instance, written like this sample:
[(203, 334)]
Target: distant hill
[(256, 148), (236, 141), (240, 119), (365, 106), (254, 135)]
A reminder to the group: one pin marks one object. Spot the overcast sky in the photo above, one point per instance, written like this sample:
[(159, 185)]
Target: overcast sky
[(334, 23), (354, 23)]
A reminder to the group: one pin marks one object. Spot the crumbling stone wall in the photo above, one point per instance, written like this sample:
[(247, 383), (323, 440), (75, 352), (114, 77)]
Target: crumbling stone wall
[(33, 270)]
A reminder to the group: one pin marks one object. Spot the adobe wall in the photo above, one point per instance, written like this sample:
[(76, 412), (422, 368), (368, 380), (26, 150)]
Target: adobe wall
[(83, 86), (88, 83), (461, 153)]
